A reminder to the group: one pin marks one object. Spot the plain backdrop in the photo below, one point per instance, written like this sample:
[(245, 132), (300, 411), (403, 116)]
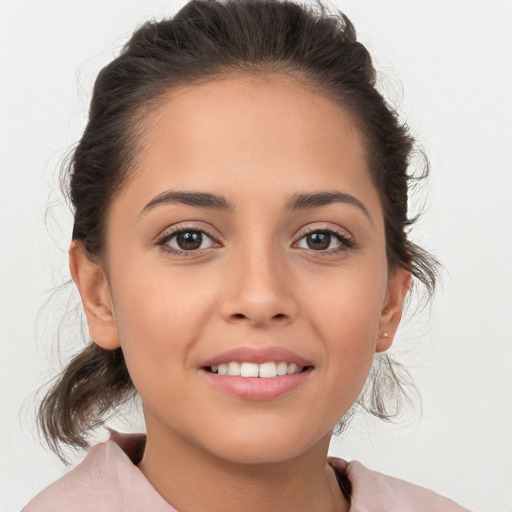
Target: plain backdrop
[(447, 65)]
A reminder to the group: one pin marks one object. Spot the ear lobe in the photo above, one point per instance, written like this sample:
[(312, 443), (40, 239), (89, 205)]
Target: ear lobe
[(398, 285), (94, 289)]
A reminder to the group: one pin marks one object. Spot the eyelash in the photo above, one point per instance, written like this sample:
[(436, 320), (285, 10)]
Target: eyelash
[(167, 237), (346, 243)]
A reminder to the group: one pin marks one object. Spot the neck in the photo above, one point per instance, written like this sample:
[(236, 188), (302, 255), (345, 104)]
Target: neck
[(191, 479)]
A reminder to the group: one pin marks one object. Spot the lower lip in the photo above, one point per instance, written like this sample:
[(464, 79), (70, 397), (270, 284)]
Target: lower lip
[(257, 388)]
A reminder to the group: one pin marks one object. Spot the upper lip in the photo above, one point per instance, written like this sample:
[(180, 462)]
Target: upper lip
[(257, 355)]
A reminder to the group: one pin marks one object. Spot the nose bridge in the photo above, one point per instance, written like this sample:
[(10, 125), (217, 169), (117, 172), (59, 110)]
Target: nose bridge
[(258, 291)]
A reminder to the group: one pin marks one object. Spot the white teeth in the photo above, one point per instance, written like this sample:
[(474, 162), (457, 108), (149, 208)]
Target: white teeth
[(233, 368), (249, 370), (293, 368), (282, 368), (268, 370), (263, 370)]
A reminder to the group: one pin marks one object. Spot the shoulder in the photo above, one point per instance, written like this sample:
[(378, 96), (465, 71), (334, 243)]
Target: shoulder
[(107, 480), (372, 491)]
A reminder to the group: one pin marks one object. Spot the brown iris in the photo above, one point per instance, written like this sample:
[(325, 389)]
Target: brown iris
[(319, 240), (189, 240)]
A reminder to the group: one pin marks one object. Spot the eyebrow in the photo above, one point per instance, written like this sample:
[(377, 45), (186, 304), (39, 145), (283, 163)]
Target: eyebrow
[(201, 199), (217, 202), (318, 199)]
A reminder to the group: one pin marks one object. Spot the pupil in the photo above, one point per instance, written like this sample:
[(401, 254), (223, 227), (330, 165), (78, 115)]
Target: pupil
[(318, 241), (189, 240)]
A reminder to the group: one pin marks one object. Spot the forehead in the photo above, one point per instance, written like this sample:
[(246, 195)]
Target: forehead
[(240, 134), (272, 111)]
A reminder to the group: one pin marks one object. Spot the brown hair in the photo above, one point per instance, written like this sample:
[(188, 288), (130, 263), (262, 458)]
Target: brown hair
[(205, 39)]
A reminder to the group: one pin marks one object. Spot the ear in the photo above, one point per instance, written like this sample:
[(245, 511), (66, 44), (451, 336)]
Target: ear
[(94, 288), (398, 284)]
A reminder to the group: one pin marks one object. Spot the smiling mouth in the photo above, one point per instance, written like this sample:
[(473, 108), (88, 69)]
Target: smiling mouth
[(265, 370)]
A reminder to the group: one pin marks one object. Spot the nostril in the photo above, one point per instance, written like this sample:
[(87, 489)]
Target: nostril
[(279, 315), (239, 315)]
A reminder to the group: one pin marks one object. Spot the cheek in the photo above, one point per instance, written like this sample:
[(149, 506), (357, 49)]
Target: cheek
[(159, 319), (347, 307), (345, 317), (145, 313), (152, 308)]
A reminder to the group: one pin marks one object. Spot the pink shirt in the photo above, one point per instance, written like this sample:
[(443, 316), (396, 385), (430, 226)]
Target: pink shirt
[(108, 480)]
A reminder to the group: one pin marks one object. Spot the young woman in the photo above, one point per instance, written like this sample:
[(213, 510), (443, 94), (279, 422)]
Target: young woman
[(241, 252)]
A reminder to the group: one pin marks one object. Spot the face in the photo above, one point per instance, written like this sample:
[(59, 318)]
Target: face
[(249, 239)]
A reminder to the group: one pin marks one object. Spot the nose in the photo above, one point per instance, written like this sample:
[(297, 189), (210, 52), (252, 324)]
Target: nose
[(258, 289)]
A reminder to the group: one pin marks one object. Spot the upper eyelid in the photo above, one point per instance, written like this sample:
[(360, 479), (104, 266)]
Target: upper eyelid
[(336, 230), (326, 228), (174, 230)]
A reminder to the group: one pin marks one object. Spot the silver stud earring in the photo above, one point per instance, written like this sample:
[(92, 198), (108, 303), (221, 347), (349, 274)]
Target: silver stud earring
[(384, 334)]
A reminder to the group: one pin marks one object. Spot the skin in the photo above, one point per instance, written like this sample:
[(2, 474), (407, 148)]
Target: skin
[(256, 283)]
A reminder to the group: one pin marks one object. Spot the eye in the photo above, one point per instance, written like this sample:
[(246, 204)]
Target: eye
[(186, 240), (325, 240)]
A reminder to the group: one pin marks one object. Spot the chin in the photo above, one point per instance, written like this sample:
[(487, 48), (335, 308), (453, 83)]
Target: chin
[(265, 445)]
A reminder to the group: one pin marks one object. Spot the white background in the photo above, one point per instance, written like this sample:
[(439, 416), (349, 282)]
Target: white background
[(448, 65)]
